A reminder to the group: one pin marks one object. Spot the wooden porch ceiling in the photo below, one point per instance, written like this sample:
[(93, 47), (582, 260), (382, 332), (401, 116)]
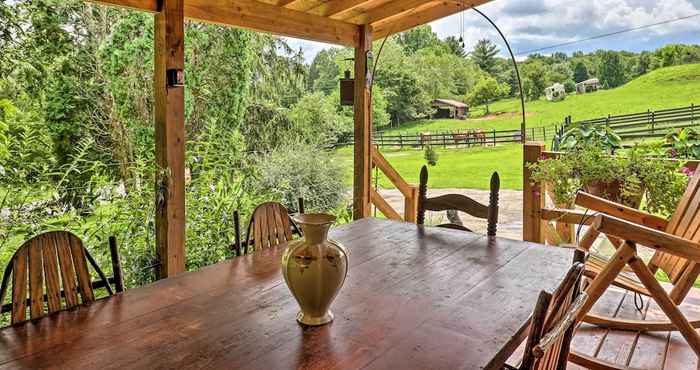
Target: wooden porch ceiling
[(330, 21)]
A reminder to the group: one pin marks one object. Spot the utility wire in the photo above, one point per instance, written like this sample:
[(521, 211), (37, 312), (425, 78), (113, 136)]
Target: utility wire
[(607, 34)]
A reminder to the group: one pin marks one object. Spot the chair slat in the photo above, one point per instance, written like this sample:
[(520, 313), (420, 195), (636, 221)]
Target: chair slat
[(257, 225), (81, 269), (36, 282), (65, 263), (270, 225), (19, 287), (52, 279), (682, 208)]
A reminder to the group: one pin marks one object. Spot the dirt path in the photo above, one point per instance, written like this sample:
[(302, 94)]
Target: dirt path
[(510, 215)]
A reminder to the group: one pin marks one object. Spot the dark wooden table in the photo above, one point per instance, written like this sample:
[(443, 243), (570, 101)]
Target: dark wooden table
[(415, 298)]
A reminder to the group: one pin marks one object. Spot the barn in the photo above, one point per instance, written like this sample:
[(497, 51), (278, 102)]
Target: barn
[(446, 108)]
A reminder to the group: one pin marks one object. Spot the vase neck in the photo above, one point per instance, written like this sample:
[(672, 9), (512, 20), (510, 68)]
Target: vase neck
[(315, 233)]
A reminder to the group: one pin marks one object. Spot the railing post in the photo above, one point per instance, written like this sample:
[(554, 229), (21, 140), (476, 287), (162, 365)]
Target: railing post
[(653, 122), (363, 126), (410, 209), (494, 137), (533, 195)]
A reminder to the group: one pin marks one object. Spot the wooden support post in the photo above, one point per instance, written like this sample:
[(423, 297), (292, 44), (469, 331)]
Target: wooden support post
[(533, 196), (169, 38), (411, 205), (363, 126)]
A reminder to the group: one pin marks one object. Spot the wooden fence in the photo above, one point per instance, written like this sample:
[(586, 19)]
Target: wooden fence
[(457, 139), (410, 192), (643, 125)]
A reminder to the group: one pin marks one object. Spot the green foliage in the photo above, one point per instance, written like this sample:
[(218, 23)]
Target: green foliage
[(300, 170), (534, 80), (418, 38), (611, 70), (580, 72), (484, 55), (685, 143), (430, 155), (486, 91), (581, 136), (315, 120), (455, 46)]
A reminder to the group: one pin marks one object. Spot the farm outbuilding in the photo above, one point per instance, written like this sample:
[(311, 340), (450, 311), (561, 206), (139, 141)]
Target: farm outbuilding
[(590, 85), (555, 92), (446, 108)]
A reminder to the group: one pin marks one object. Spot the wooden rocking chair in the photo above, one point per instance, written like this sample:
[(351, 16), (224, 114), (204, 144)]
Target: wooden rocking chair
[(677, 244)]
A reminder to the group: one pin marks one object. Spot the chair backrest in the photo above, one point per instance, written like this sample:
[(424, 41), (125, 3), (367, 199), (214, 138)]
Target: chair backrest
[(685, 223), (459, 202), (269, 226), (50, 273), (552, 324)]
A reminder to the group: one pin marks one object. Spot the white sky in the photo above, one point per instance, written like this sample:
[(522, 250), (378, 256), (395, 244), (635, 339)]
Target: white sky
[(531, 24)]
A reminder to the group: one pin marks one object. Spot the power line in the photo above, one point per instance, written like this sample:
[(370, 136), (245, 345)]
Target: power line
[(608, 34)]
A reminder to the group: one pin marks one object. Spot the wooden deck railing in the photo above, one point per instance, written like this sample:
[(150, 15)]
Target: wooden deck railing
[(553, 226), (410, 192)]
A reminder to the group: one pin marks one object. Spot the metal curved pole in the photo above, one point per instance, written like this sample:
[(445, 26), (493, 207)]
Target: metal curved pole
[(517, 72)]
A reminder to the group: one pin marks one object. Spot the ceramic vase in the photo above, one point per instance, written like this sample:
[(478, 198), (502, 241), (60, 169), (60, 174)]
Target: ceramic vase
[(314, 268)]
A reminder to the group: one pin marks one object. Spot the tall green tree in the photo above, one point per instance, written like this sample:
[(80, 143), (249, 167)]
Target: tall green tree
[(580, 72), (534, 81), (455, 46), (325, 71), (611, 69), (484, 55), (486, 91), (418, 38)]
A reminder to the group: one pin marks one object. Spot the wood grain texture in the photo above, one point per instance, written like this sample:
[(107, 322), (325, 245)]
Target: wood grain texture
[(415, 298)]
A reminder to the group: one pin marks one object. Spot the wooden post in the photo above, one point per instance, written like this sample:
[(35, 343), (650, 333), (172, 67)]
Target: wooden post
[(533, 196), (410, 211), (169, 39), (363, 126)]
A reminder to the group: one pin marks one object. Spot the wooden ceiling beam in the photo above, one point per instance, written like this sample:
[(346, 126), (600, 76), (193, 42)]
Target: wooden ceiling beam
[(150, 6), (259, 16), (421, 15), (388, 10), (334, 7)]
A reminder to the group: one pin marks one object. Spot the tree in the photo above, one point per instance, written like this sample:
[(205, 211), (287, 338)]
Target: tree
[(534, 81), (611, 70), (484, 55), (559, 72), (418, 38), (455, 46), (486, 91), (580, 72), (324, 71)]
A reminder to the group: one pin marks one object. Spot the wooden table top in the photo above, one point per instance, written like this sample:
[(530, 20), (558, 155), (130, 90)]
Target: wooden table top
[(415, 298)]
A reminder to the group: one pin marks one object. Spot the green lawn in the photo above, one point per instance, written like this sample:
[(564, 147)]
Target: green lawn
[(456, 168), (670, 87)]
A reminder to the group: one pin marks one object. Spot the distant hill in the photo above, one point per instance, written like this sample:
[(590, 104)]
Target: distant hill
[(669, 87)]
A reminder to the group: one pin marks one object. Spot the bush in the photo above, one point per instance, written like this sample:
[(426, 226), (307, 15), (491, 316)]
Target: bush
[(430, 155), (301, 170)]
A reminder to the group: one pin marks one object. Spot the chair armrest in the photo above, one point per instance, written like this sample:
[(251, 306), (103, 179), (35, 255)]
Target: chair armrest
[(617, 210), (647, 236)]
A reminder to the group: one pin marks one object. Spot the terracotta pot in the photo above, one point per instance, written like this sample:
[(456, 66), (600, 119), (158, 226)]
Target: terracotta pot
[(314, 269), (612, 190)]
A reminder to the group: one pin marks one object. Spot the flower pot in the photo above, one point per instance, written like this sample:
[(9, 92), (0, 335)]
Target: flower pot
[(612, 190), (314, 269)]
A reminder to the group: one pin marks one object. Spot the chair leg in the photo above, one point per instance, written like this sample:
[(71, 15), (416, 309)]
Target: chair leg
[(605, 278), (666, 304)]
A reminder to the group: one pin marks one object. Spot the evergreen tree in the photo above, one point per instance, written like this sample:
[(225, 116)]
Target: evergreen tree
[(455, 46), (484, 55), (580, 72)]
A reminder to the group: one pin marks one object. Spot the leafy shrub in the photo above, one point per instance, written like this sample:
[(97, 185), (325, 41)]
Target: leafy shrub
[(430, 155), (302, 170)]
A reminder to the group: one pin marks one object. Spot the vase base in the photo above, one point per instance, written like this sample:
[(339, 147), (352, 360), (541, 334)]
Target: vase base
[(309, 320)]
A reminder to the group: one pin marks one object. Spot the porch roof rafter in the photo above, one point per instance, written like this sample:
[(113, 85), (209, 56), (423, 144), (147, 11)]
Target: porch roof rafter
[(335, 21)]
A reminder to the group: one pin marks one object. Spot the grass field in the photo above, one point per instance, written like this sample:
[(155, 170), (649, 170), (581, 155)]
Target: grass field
[(456, 168), (670, 87)]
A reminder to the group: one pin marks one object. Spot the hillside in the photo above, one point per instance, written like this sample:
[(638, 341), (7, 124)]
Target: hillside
[(669, 87)]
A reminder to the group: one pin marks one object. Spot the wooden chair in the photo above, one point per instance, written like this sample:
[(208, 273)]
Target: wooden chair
[(459, 202), (269, 225), (677, 245), (553, 323), (49, 271)]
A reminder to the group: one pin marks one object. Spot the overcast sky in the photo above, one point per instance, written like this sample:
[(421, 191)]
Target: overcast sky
[(533, 24)]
